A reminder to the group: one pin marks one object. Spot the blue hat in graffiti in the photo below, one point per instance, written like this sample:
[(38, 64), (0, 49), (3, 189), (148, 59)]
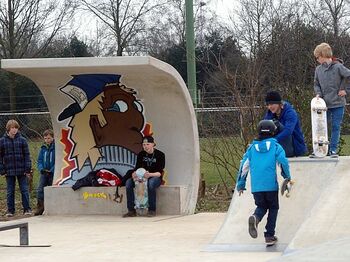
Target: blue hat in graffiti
[(84, 88)]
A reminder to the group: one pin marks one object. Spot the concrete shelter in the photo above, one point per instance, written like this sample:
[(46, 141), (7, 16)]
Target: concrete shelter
[(100, 109)]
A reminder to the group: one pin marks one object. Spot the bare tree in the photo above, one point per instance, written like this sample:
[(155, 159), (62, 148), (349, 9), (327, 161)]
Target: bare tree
[(167, 27), (27, 27), (124, 19), (253, 23), (331, 15)]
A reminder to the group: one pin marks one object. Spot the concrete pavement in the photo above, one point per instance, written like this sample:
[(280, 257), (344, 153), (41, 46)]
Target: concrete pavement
[(312, 226), (112, 238)]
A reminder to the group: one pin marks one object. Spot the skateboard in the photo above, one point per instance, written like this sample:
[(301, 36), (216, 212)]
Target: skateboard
[(319, 127), (141, 192), (287, 185)]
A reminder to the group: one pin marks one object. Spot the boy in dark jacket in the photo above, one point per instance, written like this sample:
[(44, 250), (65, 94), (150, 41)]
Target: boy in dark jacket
[(46, 168), (289, 134), (260, 160), (15, 163), (153, 161)]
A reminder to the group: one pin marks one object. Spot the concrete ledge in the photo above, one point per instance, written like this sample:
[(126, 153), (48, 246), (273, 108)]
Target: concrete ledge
[(60, 200)]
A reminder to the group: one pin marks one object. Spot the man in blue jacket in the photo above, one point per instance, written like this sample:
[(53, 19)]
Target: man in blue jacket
[(289, 134), (260, 159)]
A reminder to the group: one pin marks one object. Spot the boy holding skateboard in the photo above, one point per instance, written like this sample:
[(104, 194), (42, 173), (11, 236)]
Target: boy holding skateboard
[(153, 161), (260, 159), (332, 83)]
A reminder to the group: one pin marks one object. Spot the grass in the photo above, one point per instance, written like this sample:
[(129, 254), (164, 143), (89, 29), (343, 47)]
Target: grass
[(210, 172), (345, 149), (223, 151)]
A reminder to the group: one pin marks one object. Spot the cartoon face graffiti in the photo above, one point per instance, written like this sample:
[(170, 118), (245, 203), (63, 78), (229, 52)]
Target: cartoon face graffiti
[(106, 126), (123, 113)]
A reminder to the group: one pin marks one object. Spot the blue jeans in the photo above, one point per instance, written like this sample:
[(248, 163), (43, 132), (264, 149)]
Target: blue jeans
[(45, 180), (24, 188), (153, 183), (335, 118), (267, 201)]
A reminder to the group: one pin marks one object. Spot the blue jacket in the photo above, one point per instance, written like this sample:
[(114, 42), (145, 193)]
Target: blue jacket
[(290, 120), (14, 156), (46, 157), (260, 159)]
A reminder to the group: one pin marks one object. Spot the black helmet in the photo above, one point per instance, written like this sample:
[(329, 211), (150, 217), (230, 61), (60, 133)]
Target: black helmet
[(267, 128)]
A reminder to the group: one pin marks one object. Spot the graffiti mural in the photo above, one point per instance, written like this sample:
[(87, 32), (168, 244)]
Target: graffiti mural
[(105, 128)]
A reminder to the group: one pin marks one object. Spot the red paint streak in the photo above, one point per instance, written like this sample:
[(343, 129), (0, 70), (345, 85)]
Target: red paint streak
[(69, 164), (147, 131)]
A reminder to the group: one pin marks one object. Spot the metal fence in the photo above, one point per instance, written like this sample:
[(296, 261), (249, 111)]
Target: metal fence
[(227, 121), (212, 122), (32, 125)]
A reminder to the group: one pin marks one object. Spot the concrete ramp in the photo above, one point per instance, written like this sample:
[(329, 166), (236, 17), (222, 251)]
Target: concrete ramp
[(336, 250), (328, 220), (314, 181)]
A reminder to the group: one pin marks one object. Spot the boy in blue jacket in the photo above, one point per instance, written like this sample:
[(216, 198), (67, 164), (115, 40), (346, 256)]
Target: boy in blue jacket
[(260, 159), (46, 168)]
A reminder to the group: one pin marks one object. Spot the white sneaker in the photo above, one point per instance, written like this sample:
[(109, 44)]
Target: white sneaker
[(9, 214), (27, 212)]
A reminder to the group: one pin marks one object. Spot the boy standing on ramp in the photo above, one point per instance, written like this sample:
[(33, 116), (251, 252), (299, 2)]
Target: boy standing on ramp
[(260, 159)]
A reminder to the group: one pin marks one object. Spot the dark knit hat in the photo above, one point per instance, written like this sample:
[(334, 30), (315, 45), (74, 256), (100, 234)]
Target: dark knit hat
[(148, 139), (273, 97)]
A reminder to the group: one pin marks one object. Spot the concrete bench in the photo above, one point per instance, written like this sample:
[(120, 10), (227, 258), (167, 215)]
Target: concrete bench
[(61, 200), (23, 231)]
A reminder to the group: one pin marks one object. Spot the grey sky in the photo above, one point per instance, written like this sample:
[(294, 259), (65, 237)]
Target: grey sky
[(222, 7)]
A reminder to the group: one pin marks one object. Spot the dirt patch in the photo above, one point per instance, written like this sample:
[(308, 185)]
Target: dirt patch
[(213, 199), (18, 205)]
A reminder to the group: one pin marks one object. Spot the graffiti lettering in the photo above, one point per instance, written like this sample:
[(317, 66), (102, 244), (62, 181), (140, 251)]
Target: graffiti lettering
[(87, 195), (102, 195)]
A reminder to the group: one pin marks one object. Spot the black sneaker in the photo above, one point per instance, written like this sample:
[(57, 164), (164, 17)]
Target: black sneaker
[(333, 154), (312, 155), (151, 213), (131, 213), (252, 226), (270, 241)]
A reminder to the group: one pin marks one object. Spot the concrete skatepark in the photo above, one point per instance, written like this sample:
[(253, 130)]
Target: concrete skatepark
[(312, 226), (312, 223), (313, 218)]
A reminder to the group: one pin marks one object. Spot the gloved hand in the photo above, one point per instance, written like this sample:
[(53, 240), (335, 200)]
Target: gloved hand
[(44, 172), (279, 125)]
